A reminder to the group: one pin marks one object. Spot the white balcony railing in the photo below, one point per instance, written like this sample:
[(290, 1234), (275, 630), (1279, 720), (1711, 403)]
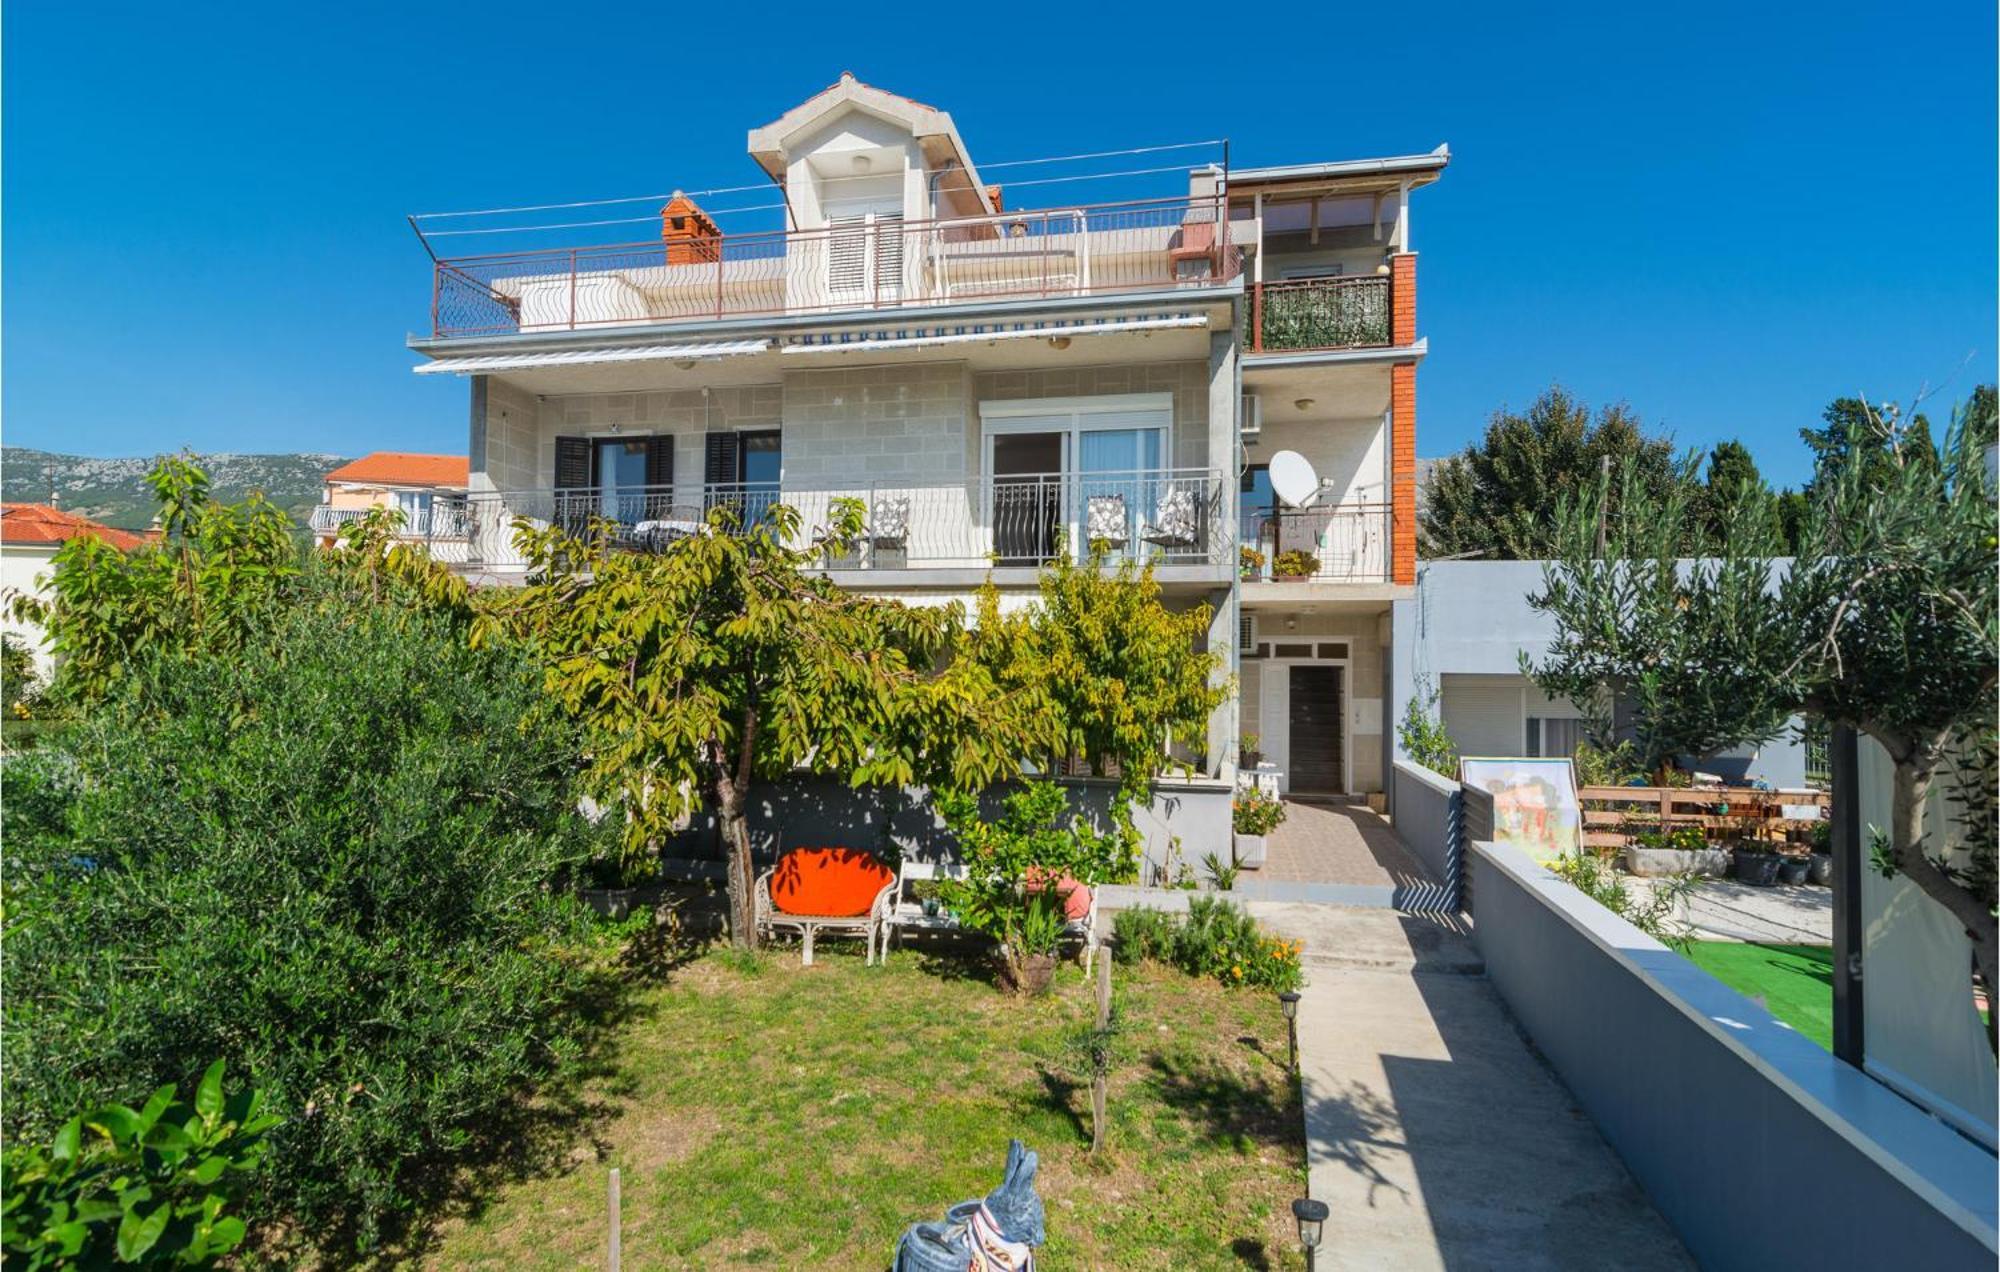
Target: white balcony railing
[(1079, 251), (450, 520), (1171, 515)]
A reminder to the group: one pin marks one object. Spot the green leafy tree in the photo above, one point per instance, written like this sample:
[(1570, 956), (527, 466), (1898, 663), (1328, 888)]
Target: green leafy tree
[(338, 857), (1887, 621), (1493, 498), (1105, 672), (1732, 477), (143, 1186), (725, 661), (1423, 735)]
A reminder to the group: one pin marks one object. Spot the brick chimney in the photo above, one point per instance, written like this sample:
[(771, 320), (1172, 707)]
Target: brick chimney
[(691, 237)]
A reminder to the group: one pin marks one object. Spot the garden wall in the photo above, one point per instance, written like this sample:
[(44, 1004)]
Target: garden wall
[(1426, 817), (1760, 1148), (811, 811)]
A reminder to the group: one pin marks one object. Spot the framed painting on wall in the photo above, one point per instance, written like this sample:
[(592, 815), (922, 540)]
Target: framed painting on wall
[(1535, 807)]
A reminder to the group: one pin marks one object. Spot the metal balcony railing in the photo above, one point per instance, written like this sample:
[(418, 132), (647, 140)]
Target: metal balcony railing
[(440, 521), (1349, 542), (880, 264), (1320, 313), (1172, 515)]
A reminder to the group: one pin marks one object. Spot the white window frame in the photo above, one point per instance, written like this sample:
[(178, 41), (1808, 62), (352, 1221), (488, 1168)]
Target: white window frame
[(1030, 415)]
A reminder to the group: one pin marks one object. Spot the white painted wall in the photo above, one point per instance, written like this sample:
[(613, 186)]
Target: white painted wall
[(23, 568)]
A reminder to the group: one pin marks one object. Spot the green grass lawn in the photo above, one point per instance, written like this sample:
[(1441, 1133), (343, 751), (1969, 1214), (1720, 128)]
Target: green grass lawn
[(1795, 981), (768, 1115)]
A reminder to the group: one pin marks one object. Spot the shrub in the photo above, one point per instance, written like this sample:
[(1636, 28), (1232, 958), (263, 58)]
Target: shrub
[(1214, 939), (1656, 911), (1296, 563), (147, 1185), (1011, 890), (334, 858), (1425, 739), (1253, 812)]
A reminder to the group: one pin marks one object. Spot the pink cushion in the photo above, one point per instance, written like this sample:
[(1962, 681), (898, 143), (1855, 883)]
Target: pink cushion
[(1076, 897)]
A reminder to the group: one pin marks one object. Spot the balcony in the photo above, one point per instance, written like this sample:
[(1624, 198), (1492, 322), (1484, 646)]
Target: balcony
[(447, 520), (1172, 516), (1347, 542), (1320, 313), (881, 265)]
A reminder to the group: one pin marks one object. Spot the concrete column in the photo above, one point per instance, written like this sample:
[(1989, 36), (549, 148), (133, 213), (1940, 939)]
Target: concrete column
[(1225, 400), (1222, 725)]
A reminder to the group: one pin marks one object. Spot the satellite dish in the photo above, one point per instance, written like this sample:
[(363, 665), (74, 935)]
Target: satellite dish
[(1293, 480)]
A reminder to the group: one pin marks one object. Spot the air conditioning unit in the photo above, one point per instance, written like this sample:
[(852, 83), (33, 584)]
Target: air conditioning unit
[(1253, 417)]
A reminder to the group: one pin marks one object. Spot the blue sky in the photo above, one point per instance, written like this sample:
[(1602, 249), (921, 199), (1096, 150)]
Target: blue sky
[(1725, 215)]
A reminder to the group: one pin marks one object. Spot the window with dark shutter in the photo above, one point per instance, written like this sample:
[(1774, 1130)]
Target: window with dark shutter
[(660, 461), (719, 461), (572, 463)]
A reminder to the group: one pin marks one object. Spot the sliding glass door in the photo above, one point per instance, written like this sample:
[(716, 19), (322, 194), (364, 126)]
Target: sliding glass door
[(1076, 470)]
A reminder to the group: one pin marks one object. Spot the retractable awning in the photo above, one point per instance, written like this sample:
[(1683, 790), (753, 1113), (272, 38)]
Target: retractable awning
[(924, 337), (477, 364)]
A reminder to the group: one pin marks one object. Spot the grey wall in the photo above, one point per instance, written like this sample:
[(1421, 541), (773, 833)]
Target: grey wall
[(1473, 618), (1426, 819), (810, 811), (1761, 1149)]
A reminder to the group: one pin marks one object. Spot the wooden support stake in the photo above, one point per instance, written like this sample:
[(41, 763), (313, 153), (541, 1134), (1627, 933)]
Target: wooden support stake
[(616, 1252), (1099, 1078)]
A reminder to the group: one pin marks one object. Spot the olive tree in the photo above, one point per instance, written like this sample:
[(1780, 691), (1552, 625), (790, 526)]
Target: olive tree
[(725, 660), (1886, 621)]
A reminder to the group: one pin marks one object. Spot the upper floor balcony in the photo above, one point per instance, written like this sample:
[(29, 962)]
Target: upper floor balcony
[(1299, 314), (858, 264)]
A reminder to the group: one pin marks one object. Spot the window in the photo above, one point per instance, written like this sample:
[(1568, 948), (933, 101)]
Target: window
[(1257, 502), (864, 256), (1554, 736)]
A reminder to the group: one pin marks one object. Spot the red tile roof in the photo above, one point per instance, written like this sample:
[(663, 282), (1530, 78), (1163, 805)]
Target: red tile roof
[(400, 468), (29, 523)]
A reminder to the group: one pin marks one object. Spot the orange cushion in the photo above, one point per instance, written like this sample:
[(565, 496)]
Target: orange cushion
[(1076, 897), (828, 882)]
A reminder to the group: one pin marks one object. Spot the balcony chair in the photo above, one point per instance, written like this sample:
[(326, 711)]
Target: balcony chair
[(889, 522), (1175, 523), (1104, 521)]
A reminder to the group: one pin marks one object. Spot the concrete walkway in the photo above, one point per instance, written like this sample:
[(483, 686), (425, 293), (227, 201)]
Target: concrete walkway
[(1435, 1134)]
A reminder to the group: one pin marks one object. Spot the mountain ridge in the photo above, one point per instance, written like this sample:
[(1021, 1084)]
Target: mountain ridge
[(114, 490)]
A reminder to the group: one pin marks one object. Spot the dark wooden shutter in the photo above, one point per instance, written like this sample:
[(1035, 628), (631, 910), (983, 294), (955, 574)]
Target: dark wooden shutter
[(572, 463), (719, 465), (659, 461)]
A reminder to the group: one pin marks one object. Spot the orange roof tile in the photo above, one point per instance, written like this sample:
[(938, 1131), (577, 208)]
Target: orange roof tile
[(400, 468), (30, 523)]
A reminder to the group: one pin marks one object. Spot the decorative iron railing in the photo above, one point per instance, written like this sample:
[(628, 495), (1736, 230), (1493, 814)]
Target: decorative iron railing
[(1080, 251), (1320, 313), (1174, 516), (1339, 541)]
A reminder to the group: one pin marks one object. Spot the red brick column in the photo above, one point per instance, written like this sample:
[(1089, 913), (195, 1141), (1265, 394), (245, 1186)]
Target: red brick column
[(1403, 471), (1403, 298)]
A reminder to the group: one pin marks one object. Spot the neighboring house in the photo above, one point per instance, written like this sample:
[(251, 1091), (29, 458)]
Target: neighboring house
[(429, 490), (1461, 636), (30, 535), (989, 382)]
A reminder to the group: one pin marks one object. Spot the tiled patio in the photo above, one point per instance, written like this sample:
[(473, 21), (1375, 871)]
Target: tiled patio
[(1338, 843)]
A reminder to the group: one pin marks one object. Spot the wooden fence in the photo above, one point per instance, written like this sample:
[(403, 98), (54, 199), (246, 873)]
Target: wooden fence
[(1612, 814)]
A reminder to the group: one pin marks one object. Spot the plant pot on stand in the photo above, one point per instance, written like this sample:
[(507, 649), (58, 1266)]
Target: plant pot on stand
[(1755, 866), (1251, 850)]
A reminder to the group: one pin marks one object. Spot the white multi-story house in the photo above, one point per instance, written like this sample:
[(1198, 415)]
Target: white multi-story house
[(990, 381)]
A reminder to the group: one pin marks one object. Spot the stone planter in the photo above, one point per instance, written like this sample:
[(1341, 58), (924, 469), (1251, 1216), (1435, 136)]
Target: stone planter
[(612, 903), (1759, 869), (1792, 871), (1250, 759), (1820, 869), (1251, 850), (1664, 863)]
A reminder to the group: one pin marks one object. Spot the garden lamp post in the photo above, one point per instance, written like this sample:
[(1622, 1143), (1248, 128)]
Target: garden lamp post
[(1311, 1215), (1290, 1000)]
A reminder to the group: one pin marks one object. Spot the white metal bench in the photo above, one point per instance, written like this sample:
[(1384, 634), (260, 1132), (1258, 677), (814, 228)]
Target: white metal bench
[(770, 919), (905, 913)]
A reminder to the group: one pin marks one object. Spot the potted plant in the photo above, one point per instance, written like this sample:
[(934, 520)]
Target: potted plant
[(1294, 565), (1657, 853), (1754, 863), (1253, 816), (1249, 750), (606, 887), (1819, 866), (1251, 563), (1793, 868)]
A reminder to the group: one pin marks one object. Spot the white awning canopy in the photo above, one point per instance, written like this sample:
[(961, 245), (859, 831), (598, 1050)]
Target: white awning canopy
[(920, 338), (478, 364)]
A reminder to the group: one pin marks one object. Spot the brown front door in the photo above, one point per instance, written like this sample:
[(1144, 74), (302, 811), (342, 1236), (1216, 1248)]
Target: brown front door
[(1318, 705)]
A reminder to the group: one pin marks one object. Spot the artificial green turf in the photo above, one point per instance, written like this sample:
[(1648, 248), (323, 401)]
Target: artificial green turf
[(1795, 981)]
